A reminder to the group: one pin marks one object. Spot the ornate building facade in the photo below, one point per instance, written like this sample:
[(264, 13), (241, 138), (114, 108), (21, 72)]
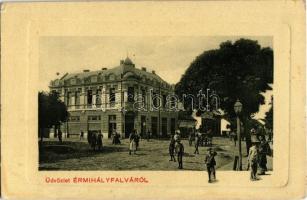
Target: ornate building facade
[(122, 98)]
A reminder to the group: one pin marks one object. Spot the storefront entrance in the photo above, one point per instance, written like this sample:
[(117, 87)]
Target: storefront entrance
[(129, 124)]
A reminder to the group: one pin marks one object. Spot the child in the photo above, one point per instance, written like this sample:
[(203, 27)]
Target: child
[(210, 163), (179, 151)]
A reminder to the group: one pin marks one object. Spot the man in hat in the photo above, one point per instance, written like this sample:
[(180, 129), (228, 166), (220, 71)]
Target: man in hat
[(210, 164), (253, 159)]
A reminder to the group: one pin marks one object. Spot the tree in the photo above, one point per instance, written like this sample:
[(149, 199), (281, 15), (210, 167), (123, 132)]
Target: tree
[(240, 70), (269, 117), (51, 111)]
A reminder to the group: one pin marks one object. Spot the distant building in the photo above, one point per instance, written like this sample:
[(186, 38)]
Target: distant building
[(122, 98), (186, 123)]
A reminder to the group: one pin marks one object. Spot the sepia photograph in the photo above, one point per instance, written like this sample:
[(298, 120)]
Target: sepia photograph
[(153, 100), (200, 103)]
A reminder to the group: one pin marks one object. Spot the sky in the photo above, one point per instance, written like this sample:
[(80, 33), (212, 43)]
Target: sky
[(168, 56)]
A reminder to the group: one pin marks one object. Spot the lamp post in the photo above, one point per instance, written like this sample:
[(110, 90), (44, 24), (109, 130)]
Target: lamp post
[(238, 108)]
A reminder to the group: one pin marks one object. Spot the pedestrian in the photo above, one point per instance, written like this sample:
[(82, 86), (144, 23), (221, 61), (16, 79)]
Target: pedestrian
[(117, 138), (137, 140), (210, 164), (60, 136), (253, 160), (94, 139), (132, 146), (197, 142), (99, 141), (113, 136), (171, 149), (179, 149), (264, 150), (81, 135), (177, 135), (191, 135)]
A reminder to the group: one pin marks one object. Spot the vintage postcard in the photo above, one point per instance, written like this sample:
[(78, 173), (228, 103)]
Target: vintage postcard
[(153, 100)]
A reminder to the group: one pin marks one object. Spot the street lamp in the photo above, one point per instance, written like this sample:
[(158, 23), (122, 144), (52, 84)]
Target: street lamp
[(238, 109)]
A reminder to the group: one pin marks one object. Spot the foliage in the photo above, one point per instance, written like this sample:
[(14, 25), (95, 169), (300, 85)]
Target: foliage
[(239, 70), (51, 110), (269, 117)]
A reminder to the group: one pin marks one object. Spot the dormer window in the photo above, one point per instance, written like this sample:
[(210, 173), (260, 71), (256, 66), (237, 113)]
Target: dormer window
[(73, 81), (93, 79)]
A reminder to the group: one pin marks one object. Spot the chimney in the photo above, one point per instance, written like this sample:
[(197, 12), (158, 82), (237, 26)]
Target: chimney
[(153, 72), (86, 70), (121, 62), (144, 69), (104, 68)]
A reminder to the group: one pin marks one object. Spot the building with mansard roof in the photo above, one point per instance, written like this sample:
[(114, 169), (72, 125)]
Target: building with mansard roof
[(122, 98)]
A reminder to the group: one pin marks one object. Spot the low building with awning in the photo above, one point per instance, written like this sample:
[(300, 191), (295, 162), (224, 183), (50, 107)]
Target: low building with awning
[(186, 123)]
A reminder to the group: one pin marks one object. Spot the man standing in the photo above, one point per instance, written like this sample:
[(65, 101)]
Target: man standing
[(210, 164), (132, 146), (117, 138), (171, 149), (60, 136), (99, 141), (179, 148), (137, 140), (253, 160)]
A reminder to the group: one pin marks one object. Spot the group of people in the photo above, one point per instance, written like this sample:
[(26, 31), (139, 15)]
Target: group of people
[(257, 157), (177, 148), (200, 139), (95, 140), (134, 139), (115, 137)]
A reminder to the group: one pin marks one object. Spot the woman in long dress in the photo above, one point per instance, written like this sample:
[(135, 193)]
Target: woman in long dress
[(132, 145)]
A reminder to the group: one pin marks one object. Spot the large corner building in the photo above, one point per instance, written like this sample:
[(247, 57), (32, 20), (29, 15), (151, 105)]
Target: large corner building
[(110, 99)]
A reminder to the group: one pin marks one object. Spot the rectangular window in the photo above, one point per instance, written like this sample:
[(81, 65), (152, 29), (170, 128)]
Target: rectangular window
[(98, 98), (77, 99), (164, 101), (130, 94), (112, 118), (144, 96), (74, 118), (94, 118), (89, 97), (155, 99), (112, 96)]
